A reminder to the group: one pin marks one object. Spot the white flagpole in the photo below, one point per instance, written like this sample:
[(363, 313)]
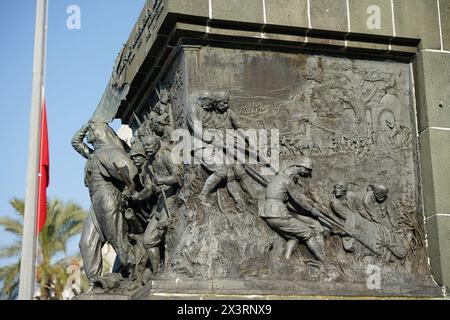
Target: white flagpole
[(28, 258)]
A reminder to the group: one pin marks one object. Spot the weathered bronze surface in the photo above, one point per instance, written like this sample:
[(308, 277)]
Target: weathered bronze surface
[(331, 200)]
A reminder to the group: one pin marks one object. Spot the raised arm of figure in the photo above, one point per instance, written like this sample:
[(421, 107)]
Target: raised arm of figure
[(79, 145)]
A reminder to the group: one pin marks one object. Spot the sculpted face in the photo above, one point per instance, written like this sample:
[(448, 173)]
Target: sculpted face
[(206, 103), (380, 192), (222, 106), (139, 160), (340, 190), (151, 146), (380, 196), (164, 97)]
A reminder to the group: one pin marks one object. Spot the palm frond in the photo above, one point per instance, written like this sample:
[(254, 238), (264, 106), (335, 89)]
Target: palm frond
[(10, 277), (64, 220), (11, 250), (70, 212), (12, 225), (69, 230), (19, 206)]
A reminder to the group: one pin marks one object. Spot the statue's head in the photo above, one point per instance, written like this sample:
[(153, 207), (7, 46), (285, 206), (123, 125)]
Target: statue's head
[(302, 168), (292, 172), (221, 100), (137, 154), (340, 189), (100, 133), (305, 167), (380, 192), (206, 102), (152, 144), (164, 96)]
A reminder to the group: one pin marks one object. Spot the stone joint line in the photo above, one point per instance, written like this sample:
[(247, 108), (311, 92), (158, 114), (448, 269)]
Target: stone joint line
[(435, 51), (438, 215), (349, 29), (440, 24), (210, 15)]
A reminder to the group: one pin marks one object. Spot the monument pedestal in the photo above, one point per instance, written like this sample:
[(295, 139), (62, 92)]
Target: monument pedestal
[(260, 289), (263, 290)]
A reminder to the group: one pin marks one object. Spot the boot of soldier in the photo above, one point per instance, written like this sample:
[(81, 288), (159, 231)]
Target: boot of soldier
[(92, 282), (155, 260), (210, 183), (317, 249), (91, 287), (290, 247)]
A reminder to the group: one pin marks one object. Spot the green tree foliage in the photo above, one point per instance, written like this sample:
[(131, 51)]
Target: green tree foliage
[(64, 220)]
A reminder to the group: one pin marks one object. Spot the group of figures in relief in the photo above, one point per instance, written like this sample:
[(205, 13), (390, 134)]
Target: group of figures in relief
[(136, 192), (132, 191), (359, 145)]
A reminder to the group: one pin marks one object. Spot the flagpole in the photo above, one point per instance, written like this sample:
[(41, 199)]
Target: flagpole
[(28, 257)]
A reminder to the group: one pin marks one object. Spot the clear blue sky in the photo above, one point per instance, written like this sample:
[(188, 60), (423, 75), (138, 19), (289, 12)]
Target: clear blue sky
[(79, 64)]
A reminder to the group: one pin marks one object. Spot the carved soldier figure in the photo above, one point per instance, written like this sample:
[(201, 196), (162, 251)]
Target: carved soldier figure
[(223, 117), (346, 202), (144, 183), (283, 193), (366, 238), (137, 155), (105, 222), (165, 180), (376, 205), (160, 118), (139, 212), (215, 114), (346, 205)]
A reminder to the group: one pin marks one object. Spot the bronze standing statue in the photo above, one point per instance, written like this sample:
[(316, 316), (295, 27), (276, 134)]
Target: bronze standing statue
[(106, 222)]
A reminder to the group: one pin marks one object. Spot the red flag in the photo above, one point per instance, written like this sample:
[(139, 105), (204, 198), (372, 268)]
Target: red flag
[(44, 173)]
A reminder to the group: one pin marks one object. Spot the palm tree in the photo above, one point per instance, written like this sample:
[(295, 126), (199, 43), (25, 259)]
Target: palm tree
[(64, 220), (9, 274)]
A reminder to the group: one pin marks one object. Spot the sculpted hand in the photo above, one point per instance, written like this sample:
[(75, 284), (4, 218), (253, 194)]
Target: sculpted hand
[(126, 193), (156, 189), (162, 225), (159, 180), (135, 196)]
